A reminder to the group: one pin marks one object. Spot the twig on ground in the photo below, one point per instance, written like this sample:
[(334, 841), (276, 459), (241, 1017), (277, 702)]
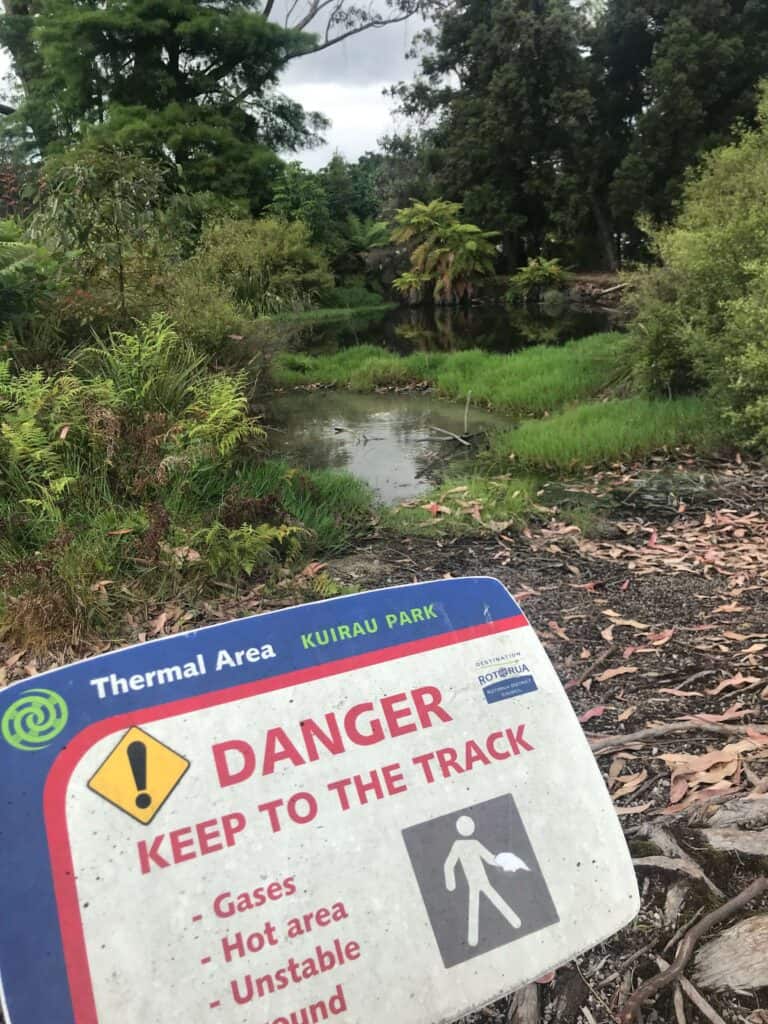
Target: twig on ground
[(679, 1005), (698, 1000), (594, 991), (592, 666), (650, 988), (607, 744), (682, 930)]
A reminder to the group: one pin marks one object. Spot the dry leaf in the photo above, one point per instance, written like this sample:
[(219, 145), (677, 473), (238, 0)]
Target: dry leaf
[(732, 683), (617, 767), (659, 639), (733, 712), (595, 712), (629, 783), (435, 510), (612, 673), (729, 608), (634, 809), (558, 630), (627, 713), (607, 634), (156, 625)]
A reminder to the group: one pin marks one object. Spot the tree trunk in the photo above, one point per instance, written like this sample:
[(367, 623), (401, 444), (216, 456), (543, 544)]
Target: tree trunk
[(604, 233)]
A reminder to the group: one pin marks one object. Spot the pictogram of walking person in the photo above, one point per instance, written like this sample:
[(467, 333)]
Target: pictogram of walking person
[(473, 857)]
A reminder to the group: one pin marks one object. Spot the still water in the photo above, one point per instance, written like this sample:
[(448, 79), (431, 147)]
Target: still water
[(387, 440), (390, 440), (492, 327)]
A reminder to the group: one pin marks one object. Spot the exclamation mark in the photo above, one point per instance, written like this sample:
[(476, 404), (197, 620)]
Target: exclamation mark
[(137, 757)]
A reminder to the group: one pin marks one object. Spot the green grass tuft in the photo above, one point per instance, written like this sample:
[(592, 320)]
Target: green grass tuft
[(507, 501), (531, 382), (597, 433)]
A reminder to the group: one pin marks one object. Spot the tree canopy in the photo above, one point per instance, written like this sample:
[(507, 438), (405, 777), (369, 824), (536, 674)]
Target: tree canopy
[(561, 124)]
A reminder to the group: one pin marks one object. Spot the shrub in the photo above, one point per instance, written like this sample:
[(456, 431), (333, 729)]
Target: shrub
[(134, 472), (534, 280), (700, 318), (266, 266)]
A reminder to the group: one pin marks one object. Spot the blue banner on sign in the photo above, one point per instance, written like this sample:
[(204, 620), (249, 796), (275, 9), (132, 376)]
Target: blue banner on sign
[(506, 688), (48, 721)]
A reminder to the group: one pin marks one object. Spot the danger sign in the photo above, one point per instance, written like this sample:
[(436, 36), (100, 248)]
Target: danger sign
[(248, 822)]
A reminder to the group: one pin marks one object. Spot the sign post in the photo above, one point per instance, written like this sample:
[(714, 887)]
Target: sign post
[(376, 807)]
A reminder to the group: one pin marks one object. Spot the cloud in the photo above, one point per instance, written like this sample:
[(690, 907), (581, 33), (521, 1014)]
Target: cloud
[(346, 83)]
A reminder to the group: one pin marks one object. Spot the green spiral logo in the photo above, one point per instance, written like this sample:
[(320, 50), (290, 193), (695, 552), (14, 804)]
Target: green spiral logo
[(34, 720)]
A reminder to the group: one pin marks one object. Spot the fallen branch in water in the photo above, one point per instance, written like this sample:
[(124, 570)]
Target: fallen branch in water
[(654, 985), (455, 437), (607, 744)]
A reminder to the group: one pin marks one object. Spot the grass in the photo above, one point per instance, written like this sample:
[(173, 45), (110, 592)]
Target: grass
[(335, 507), (465, 505), (531, 382), (598, 433)]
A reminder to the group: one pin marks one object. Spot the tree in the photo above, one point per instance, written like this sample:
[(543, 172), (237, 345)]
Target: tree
[(508, 86), (696, 66), (211, 66), (101, 205), (450, 256), (189, 78)]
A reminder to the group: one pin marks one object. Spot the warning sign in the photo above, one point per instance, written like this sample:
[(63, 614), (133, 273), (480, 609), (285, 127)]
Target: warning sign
[(139, 775), (259, 815)]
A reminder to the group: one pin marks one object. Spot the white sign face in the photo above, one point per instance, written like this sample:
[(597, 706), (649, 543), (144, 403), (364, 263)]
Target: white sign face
[(375, 808)]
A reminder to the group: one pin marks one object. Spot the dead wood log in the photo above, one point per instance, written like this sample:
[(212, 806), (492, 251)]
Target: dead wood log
[(732, 812), (739, 840), (736, 957), (607, 744), (524, 1006), (650, 988), (675, 858)]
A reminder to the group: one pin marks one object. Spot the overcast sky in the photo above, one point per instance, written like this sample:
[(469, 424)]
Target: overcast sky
[(346, 83)]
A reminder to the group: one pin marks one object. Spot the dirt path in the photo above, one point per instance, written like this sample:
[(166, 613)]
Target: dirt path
[(659, 621)]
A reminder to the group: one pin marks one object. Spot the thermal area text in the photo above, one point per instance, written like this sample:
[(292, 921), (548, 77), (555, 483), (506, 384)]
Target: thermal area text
[(364, 724)]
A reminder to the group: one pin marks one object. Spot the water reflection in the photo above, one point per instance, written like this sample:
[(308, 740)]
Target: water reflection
[(385, 440), (495, 328)]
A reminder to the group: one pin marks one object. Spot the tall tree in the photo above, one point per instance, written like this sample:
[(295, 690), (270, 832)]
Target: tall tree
[(191, 78), (693, 71), (508, 86)]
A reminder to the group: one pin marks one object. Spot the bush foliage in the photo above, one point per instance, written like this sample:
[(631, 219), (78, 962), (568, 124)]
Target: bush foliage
[(701, 317), (130, 472)]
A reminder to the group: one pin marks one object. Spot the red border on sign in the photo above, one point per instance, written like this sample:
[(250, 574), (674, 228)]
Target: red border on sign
[(54, 797)]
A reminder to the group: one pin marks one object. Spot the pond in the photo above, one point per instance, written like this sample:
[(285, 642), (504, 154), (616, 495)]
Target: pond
[(390, 441), (492, 327)]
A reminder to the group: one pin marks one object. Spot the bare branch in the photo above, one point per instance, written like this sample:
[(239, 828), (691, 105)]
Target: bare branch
[(333, 21), (379, 23)]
